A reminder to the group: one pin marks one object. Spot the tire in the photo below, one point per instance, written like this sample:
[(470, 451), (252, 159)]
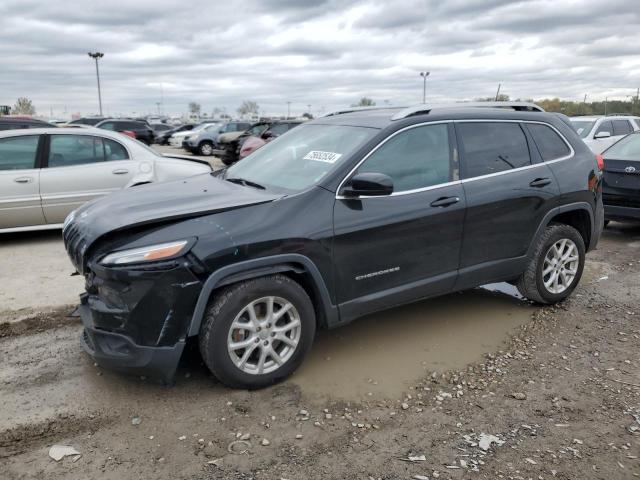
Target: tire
[(531, 283), (606, 222), (205, 148), (231, 307), (227, 160)]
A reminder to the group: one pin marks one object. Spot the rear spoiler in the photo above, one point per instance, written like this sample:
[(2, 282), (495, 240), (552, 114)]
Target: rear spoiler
[(187, 157)]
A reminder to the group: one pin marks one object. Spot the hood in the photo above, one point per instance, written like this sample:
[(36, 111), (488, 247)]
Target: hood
[(153, 203)]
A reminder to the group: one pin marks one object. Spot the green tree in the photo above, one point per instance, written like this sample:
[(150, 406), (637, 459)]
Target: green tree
[(24, 106)]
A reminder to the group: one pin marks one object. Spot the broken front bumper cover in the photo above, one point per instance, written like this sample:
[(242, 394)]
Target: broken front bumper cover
[(118, 352)]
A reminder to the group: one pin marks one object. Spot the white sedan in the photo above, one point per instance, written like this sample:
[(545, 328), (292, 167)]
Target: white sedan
[(48, 172)]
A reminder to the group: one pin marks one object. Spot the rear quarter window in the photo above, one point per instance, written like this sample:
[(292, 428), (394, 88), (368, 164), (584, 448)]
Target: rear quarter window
[(550, 145)]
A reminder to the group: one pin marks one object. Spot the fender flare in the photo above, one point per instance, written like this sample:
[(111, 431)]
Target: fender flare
[(556, 211), (259, 267)]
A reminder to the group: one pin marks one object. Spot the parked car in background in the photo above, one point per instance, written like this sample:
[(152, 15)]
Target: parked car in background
[(204, 142), (600, 132), (17, 123), (230, 143), (176, 139), (91, 121), (142, 131), (343, 216), (159, 128), (253, 143), (46, 173), (162, 138), (621, 186)]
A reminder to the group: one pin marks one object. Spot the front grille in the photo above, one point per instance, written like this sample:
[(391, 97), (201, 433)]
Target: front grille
[(75, 244)]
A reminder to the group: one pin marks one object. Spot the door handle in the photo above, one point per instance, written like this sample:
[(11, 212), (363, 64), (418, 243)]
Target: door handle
[(23, 180), (540, 182), (445, 201), (120, 171)]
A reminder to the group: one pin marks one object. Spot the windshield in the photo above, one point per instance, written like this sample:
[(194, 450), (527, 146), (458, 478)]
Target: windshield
[(583, 127), (301, 157), (626, 149)]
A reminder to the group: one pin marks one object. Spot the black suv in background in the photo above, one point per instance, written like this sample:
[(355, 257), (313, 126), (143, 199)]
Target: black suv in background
[(90, 121), (142, 130), (17, 123), (345, 215)]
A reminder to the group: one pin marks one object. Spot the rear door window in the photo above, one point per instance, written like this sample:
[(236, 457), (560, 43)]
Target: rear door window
[(114, 151), (72, 150), (621, 127), (549, 143), (492, 147), (18, 153)]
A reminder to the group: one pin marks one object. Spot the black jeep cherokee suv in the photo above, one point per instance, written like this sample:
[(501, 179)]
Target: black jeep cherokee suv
[(343, 216)]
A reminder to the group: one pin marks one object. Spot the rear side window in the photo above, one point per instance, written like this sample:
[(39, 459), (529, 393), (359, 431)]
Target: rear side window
[(114, 151), (417, 158), (621, 127), (72, 150), (108, 126), (492, 147), (549, 143), (17, 153)]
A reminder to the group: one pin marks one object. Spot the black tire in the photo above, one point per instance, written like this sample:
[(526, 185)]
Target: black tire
[(222, 311), (531, 284), (205, 148), (227, 160), (606, 222)]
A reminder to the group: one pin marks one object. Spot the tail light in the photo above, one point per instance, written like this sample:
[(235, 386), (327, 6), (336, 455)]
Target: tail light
[(600, 160)]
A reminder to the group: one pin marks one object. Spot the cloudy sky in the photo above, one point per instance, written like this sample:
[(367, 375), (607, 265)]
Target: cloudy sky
[(323, 53)]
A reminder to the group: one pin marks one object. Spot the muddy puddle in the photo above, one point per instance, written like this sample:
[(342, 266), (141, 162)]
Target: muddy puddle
[(381, 354)]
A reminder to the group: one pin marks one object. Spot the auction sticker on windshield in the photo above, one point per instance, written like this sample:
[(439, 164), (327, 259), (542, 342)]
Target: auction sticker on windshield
[(326, 157)]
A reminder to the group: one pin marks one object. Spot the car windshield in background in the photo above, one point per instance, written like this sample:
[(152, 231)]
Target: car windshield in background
[(626, 149), (583, 127), (300, 158)]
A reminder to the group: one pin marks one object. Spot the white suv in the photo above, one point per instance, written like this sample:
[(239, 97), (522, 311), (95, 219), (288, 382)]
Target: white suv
[(600, 132)]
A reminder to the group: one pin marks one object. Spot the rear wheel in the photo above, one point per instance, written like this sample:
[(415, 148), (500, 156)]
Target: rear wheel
[(205, 148), (257, 332), (555, 267)]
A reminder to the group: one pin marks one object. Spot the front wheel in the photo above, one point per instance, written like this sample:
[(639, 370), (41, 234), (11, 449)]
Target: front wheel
[(257, 332), (205, 148), (555, 267)]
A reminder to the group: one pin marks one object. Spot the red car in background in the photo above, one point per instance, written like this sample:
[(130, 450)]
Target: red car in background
[(253, 143)]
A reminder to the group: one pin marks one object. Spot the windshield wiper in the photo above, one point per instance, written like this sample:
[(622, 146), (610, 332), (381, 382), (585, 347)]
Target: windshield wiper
[(247, 183)]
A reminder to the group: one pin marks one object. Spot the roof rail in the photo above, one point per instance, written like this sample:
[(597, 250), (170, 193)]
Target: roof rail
[(358, 109), (423, 109), (620, 115)]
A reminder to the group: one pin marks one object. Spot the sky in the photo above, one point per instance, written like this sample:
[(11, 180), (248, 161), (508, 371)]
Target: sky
[(323, 53)]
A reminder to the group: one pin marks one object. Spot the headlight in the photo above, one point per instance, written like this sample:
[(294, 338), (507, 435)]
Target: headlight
[(151, 253)]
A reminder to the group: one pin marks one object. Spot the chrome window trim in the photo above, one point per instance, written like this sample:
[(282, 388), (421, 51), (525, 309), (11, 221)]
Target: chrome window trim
[(454, 182)]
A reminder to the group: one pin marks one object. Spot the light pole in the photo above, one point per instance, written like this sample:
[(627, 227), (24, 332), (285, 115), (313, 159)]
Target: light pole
[(424, 76), (96, 56)]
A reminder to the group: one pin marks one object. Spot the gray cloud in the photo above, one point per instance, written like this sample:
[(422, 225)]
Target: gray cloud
[(325, 53)]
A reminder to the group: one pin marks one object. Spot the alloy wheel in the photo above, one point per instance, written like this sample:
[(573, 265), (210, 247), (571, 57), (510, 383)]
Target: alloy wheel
[(560, 266), (264, 335)]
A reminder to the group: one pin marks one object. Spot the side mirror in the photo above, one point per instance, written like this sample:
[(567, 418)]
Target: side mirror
[(602, 134), (368, 184)]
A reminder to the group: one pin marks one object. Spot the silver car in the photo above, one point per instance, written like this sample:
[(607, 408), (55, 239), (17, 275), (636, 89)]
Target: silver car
[(600, 132), (48, 172)]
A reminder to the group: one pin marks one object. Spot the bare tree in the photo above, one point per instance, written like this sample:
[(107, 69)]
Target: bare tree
[(247, 107), (364, 102), (194, 107), (24, 106)]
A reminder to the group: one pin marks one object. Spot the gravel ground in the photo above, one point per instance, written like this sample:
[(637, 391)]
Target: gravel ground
[(472, 385)]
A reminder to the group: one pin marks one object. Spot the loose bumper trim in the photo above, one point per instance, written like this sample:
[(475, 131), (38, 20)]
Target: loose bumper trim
[(117, 352)]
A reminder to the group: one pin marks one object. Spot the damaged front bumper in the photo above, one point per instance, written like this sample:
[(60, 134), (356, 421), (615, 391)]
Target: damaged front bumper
[(136, 320)]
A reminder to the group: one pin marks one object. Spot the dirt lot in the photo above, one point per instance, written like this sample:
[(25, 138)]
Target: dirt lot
[(472, 385)]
